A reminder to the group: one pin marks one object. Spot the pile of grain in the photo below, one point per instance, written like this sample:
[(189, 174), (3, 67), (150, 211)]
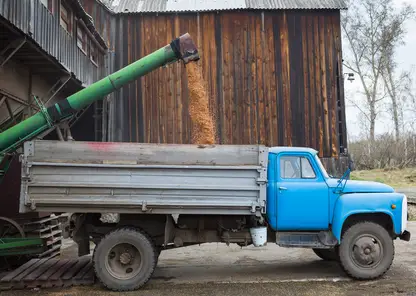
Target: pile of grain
[(203, 131)]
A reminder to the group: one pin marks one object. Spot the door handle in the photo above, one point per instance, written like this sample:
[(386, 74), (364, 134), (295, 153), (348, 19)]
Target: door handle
[(282, 188)]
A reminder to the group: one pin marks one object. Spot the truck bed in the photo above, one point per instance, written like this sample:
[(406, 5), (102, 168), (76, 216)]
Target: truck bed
[(143, 178)]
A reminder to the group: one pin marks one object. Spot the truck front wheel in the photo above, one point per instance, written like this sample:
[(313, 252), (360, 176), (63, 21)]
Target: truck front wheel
[(366, 251), (124, 260)]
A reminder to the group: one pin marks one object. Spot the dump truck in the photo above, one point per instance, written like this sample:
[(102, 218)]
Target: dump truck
[(134, 200), (163, 196)]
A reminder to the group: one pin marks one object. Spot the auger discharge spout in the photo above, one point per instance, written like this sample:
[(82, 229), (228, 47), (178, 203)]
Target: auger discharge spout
[(182, 48)]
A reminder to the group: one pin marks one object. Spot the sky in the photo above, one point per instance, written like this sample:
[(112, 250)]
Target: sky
[(406, 58)]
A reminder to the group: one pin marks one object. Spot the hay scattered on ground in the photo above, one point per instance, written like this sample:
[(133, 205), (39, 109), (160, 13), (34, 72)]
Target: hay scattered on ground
[(203, 131)]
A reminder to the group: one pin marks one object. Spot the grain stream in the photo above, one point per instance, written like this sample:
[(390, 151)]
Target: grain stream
[(203, 131)]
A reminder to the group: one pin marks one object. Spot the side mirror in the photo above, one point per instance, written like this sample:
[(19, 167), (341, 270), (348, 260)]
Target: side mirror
[(351, 165)]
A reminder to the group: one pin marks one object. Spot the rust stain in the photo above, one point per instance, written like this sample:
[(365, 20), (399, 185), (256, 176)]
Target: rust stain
[(260, 81), (273, 80), (245, 98), (331, 30), (306, 83), (312, 81), (318, 90), (284, 41), (324, 72), (226, 80), (321, 138), (254, 80)]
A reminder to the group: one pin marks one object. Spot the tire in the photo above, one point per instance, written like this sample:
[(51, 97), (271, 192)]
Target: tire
[(366, 237), (327, 254), (124, 260)]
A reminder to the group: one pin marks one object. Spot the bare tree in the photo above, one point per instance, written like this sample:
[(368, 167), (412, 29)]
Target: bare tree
[(393, 36), (373, 29), (396, 90), (408, 101)]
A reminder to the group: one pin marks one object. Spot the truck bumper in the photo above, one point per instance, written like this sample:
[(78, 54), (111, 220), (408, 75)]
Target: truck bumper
[(405, 236)]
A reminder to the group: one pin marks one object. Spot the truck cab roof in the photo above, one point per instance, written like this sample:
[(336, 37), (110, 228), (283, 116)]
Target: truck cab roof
[(280, 149)]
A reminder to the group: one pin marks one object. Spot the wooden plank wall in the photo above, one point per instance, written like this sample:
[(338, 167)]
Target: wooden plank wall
[(104, 20), (271, 77)]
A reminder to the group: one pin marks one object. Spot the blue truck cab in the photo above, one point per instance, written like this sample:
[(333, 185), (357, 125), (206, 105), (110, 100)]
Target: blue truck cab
[(352, 222)]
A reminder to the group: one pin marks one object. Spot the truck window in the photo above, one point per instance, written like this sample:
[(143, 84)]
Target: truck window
[(296, 167)]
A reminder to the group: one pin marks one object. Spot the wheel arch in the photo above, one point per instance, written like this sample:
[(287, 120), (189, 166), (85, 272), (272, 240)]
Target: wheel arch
[(383, 218)]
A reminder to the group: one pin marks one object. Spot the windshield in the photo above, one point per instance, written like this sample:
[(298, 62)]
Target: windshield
[(318, 161)]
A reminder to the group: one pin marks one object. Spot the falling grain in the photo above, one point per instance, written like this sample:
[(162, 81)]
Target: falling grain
[(203, 131)]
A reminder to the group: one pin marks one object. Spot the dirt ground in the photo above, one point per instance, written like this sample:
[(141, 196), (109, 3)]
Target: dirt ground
[(386, 287), (215, 269)]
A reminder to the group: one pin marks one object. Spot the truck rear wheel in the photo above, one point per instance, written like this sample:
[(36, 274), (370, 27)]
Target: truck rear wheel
[(124, 260), (366, 251), (327, 254)]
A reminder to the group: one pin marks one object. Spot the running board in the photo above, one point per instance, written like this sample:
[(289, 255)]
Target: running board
[(320, 240)]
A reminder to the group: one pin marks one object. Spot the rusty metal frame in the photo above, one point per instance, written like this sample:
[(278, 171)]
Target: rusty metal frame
[(5, 96), (9, 108), (59, 89), (16, 49), (2, 100), (18, 100)]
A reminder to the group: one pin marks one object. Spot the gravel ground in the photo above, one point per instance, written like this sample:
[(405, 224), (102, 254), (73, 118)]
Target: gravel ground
[(412, 212), (379, 288), (215, 269)]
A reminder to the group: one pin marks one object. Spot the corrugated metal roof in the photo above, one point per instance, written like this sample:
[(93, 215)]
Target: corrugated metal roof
[(137, 6)]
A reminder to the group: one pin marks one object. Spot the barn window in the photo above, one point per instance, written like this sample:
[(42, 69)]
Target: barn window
[(93, 53), (66, 17), (48, 4), (82, 39)]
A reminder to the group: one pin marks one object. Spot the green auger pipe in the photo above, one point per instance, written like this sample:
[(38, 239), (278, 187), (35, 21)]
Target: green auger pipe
[(181, 48)]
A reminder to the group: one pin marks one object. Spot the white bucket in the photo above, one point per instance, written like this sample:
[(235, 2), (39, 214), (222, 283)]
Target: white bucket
[(259, 236)]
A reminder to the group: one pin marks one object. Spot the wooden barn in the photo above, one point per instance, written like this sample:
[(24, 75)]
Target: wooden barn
[(273, 70)]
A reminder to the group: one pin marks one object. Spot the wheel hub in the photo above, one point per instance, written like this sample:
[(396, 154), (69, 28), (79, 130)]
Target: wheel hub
[(125, 258), (367, 252), (123, 261)]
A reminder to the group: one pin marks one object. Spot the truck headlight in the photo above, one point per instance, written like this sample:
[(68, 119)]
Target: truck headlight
[(404, 213)]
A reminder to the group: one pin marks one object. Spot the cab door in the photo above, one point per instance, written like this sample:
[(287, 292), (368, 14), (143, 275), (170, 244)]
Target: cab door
[(302, 194)]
